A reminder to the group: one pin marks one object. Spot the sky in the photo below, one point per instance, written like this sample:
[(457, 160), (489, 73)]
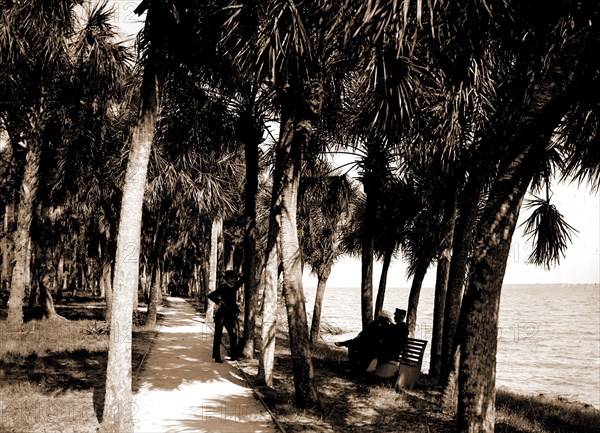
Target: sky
[(579, 207)]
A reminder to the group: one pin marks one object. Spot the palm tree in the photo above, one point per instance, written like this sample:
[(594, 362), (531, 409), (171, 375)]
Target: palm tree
[(545, 86), (298, 53), (162, 27), (324, 208), (33, 53)]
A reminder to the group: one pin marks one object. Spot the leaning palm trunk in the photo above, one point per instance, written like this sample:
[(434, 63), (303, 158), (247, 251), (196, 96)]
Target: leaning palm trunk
[(387, 261), (117, 415), (414, 295), (21, 278), (479, 336)]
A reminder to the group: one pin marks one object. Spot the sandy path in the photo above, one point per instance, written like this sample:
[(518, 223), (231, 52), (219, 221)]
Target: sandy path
[(183, 390)]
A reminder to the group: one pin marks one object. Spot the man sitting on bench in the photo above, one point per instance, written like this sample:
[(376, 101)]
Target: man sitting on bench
[(370, 343), (392, 346)]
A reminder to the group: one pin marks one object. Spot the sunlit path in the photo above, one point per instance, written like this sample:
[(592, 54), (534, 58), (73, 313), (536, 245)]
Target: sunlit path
[(183, 390)]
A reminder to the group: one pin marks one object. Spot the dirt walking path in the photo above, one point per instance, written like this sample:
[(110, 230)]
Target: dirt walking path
[(182, 389)]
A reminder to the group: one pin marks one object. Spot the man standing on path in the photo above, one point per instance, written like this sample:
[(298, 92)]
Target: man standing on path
[(225, 297)]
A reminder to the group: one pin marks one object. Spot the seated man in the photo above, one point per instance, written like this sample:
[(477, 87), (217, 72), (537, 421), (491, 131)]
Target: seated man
[(393, 345), (369, 343)]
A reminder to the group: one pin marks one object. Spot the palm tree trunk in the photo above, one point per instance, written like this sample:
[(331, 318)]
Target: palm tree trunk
[(315, 327), (108, 290), (387, 261), (252, 130), (117, 415), (479, 336), (21, 277), (296, 137), (47, 303), (366, 284), (153, 296), (271, 284), (269, 311), (478, 333), (7, 245), (215, 235), (441, 282), (367, 252), (414, 295), (465, 231)]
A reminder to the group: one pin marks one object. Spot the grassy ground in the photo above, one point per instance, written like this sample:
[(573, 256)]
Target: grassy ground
[(52, 372), (350, 404)]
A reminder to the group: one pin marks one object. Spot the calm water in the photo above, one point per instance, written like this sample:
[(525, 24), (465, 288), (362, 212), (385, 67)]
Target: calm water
[(549, 341)]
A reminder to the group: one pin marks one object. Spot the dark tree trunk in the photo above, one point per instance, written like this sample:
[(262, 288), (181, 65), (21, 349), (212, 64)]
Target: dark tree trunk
[(368, 251), (461, 249), (21, 276), (153, 296), (441, 282), (479, 329), (414, 295), (7, 245), (252, 130), (315, 327), (387, 261)]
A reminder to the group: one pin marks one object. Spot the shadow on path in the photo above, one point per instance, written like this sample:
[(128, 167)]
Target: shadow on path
[(182, 389)]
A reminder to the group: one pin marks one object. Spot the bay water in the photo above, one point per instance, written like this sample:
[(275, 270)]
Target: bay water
[(548, 342)]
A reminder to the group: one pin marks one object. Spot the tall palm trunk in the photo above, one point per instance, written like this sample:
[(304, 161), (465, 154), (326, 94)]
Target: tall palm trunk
[(117, 415), (271, 282), (414, 295), (441, 282), (21, 277), (297, 135), (252, 130), (315, 327), (367, 251)]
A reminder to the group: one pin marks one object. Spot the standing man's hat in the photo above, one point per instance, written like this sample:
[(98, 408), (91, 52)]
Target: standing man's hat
[(399, 311), (230, 274)]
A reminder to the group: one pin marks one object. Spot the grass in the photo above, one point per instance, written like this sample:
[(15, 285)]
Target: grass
[(351, 404), (52, 372)]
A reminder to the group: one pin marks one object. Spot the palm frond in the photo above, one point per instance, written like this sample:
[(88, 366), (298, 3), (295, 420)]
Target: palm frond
[(549, 233)]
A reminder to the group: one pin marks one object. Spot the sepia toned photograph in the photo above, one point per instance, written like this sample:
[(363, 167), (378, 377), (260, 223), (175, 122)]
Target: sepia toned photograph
[(299, 216)]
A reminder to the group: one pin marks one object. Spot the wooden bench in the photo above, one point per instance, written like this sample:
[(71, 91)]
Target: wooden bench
[(408, 367)]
